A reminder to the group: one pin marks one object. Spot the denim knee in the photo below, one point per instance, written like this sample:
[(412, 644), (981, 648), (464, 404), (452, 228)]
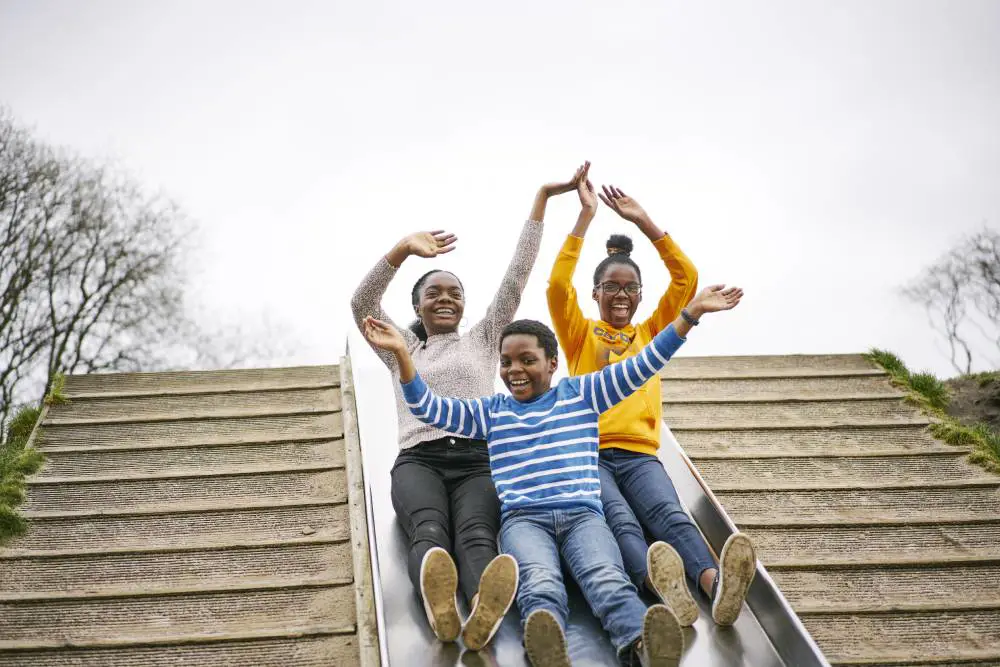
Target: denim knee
[(541, 588)]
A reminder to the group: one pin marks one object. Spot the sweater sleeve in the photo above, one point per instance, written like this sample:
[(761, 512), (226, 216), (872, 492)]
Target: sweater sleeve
[(564, 307), (611, 385), (367, 300), (508, 297), (458, 416), (682, 288)]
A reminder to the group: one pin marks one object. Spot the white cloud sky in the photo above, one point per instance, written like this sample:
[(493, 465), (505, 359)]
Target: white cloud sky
[(816, 153)]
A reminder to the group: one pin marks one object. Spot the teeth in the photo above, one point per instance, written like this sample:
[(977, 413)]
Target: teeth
[(444, 311)]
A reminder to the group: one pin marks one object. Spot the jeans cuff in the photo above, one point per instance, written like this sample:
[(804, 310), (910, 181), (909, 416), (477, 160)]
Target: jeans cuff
[(628, 656)]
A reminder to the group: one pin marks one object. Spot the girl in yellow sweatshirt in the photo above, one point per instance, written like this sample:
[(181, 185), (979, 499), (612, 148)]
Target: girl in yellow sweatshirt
[(636, 491)]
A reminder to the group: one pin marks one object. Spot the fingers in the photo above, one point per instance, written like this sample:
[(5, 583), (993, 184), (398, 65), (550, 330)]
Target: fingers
[(445, 240), (619, 192), (590, 187), (585, 170), (606, 201), (608, 192), (377, 325)]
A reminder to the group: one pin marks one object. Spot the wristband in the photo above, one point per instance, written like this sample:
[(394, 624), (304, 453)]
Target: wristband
[(688, 318)]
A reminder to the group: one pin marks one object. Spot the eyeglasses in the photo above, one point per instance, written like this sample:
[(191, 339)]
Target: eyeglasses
[(611, 288)]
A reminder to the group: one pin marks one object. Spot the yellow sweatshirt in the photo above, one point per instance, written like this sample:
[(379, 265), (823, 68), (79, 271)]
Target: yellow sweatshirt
[(589, 345)]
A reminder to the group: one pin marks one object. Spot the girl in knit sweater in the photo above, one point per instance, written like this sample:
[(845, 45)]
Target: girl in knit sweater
[(441, 488)]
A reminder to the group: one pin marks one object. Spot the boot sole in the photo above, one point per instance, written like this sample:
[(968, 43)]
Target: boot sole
[(438, 584), (497, 588), (662, 637), (738, 565), (544, 641), (666, 573)]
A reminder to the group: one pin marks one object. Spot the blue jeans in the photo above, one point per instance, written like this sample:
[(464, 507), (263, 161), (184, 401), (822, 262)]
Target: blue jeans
[(636, 491), (537, 539)]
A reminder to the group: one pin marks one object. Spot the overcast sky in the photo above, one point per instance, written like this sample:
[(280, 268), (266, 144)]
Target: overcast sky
[(819, 154)]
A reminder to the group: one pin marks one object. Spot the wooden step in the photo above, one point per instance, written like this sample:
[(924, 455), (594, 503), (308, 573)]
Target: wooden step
[(849, 506), (102, 571), (191, 433), (228, 490), (180, 382), (907, 637), (853, 441), (844, 471), (793, 365), (195, 527), (778, 547), (171, 617), (679, 389), (198, 406), (310, 648), (179, 460), (769, 415), (868, 589)]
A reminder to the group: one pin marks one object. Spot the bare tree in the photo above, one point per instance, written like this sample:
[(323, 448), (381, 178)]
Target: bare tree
[(961, 294), (90, 275)]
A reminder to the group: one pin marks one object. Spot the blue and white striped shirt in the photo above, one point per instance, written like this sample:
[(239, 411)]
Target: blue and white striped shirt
[(543, 453)]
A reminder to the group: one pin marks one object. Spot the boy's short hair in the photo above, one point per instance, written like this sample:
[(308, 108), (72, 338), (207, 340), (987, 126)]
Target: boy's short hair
[(546, 339)]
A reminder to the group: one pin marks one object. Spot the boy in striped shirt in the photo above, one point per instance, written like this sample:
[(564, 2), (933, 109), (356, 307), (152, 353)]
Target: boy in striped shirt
[(543, 449)]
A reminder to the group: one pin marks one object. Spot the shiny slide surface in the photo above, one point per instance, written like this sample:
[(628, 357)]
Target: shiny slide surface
[(767, 634)]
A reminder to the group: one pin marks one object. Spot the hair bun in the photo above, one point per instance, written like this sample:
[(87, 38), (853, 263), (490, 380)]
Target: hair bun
[(619, 244)]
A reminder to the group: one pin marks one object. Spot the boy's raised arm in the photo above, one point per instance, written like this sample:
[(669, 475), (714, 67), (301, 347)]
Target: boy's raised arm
[(612, 384), (462, 417)]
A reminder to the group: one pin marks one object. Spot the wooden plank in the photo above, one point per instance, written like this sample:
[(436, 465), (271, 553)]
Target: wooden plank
[(364, 604), (120, 410), (196, 382)]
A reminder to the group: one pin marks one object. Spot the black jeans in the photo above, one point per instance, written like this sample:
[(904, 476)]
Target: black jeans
[(444, 497)]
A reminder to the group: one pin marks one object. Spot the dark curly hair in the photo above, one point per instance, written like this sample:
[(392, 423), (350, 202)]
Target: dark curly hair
[(620, 242), (546, 339), (624, 244), (417, 325)]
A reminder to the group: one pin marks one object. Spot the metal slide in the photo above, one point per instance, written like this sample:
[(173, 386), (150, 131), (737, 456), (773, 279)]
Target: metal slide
[(768, 634)]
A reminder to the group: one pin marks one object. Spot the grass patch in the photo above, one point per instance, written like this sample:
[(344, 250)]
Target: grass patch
[(892, 364), (931, 389), (17, 462), (57, 392), (932, 395), (984, 378)]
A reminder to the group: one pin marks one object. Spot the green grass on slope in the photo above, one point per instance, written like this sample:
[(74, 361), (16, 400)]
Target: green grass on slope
[(932, 395), (17, 462)]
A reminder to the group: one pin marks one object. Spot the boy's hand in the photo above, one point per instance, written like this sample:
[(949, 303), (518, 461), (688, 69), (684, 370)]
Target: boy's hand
[(383, 336), (623, 205), (552, 189), (714, 298)]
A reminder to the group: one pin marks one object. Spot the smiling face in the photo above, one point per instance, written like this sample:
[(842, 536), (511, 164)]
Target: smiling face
[(618, 309), (524, 368), (441, 304)]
